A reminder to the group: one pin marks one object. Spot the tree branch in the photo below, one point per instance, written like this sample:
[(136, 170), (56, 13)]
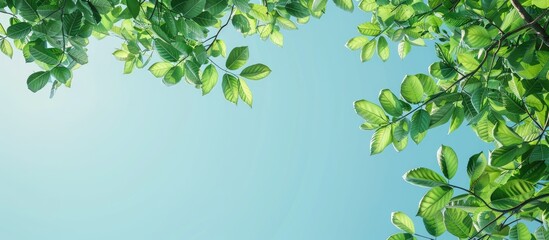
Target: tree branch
[(536, 26)]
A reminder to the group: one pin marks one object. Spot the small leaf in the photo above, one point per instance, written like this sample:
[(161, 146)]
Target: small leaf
[(19, 30), (390, 102), (231, 86), (505, 135), (371, 112), (383, 48), (346, 5), (237, 58), (420, 125), (133, 7), (173, 76), (61, 74), (356, 42), (160, 69), (424, 177), (506, 154), (411, 89), (245, 93), (458, 222), (519, 232), (434, 201), (6, 48), (297, 10), (380, 140), (404, 48), (448, 161), (369, 29), (434, 224), (476, 37), (188, 8), (368, 51), (403, 222), (255, 72), (209, 79)]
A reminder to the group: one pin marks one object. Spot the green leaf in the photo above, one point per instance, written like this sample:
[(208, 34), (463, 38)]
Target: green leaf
[(72, 23), (61, 74), (476, 37), (231, 86), (401, 236), (167, 51), (346, 5), (434, 201), (50, 56), (237, 58), (188, 8), (441, 115), (38, 80), (402, 222), (434, 224), (245, 93), (371, 112), (458, 222), (476, 165), (369, 29), (173, 76), (404, 12), (255, 72), (505, 135), (209, 79), (540, 153), (192, 72), (424, 177), (542, 233), (541, 4), (78, 55), (420, 125), (133, 7), (512, 193), (215, 6), (448, 161), (6, 48), (297, 10), (411, 89), (390, 102), (356, 42), (380, 140), (19, 30), (506, 154), (519, 232), (241, 23), (457, 119), (368, 51), (160, 69), (383, 48)]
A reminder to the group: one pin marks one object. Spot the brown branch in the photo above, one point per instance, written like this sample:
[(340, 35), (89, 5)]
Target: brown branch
[(536, 26)]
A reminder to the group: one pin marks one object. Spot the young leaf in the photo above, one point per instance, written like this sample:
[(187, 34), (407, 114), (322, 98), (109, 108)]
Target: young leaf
[(403, 222), (255, 72), (160, 69), (476, 37), (434, 224), (458, 222), (390, 102), (380, 140), (245, 93), (411, 89), (368, 50), (383, 48), (346, 5), (519, 232), (356, 42), (420, 125), (173, 76), (448, 161), (424, 177), (434, 201), (237, 58), (371, 112), (209, 79), (404, 48), (231, 86)]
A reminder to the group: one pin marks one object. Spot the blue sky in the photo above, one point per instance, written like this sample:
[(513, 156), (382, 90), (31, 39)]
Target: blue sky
[(125, 157)]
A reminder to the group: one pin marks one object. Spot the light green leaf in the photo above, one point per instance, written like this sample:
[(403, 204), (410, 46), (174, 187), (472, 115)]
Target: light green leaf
[(346, 5), (6, 48), (256, 72), (476, 37), (237, 58), (404, 48), (368, 51), (390, 102), (457, 119), (209, 79), (369, 29), (245, 93), (411, 89), (231, 87), (402, 222), (458, 222), (448, 161), (174, 76), (356, 42), (383, 49), (424, 177), (38, 80), (401, 236), (434, 201), (160, 69), (505, 135), (512, 194), (192, 72), (434, 224), (519, 232), (380, 140), (371, 112), (476, 165)]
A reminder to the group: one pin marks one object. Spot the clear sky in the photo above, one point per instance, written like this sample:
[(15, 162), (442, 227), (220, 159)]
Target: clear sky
[(125, 157)]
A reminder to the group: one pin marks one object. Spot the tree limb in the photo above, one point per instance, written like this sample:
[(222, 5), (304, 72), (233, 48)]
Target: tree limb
[(536, 26)]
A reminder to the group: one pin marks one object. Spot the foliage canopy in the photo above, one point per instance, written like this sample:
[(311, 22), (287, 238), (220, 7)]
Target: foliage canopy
[(492, 73)]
